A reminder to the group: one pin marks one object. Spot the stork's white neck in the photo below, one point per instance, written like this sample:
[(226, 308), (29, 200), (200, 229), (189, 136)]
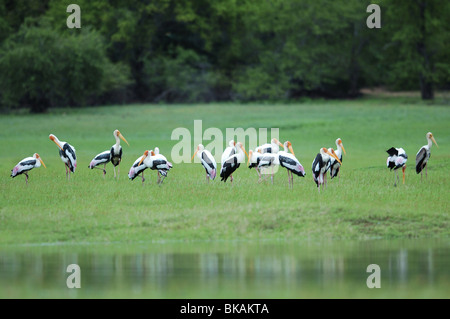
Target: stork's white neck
[(430, 142)]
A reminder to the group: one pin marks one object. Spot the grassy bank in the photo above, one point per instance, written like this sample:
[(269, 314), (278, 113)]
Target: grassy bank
[(363, 204)]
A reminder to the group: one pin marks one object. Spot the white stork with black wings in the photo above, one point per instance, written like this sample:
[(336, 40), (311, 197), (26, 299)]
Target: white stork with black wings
[(423, 155), (291, 163), (233, 162), (253, 161), (137, 168), (334, 165), (67, 154), (27, 164), (272, 147), (207, 161), (116, 151), (156, 162), (397, 159), (268, 161), (320, 166)]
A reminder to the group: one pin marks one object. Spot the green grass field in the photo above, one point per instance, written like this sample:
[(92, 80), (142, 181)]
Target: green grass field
[(363, 204)]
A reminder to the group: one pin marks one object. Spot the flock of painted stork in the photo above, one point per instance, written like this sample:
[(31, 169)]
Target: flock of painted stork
[(264, 159)]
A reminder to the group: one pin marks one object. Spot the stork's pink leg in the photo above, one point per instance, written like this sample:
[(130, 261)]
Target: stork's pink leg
[(67, 171), (426, 171), (231, 178), (114, 172), (159, 179), (143, 179), (26, 178)]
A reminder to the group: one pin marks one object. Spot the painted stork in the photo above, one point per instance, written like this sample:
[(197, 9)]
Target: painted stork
[(273, 147), (67, 154), (116, 152), (268, 161), (227, 153), (334, 165), (207, 161), (320, 166), (137, 168), (397, 158), (27, 164), (102, 158), (423, 155), (156, 162), (291, 163), (253, 161), (233, 162)]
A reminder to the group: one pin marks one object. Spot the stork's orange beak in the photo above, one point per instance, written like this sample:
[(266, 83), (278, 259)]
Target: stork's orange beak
[(250, 153), (143, 157), (242, 147), (40, 160), (52, 138), (333, 155), (342, 145), (432, 138), (291, 149), (122, 138)]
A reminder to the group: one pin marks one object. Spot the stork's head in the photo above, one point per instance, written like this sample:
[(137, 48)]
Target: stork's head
[(239, 144), (143, 157), (117, 134), (55, 140), (431, 137), (332, 154), (232, 143), (199, 148), (339, 143), (288, 145), (36, 156)]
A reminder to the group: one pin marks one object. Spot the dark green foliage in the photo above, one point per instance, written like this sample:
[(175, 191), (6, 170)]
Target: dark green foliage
[(40, 68), (199, 50)]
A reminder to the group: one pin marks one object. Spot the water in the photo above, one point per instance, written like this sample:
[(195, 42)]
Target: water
[(264, 269)]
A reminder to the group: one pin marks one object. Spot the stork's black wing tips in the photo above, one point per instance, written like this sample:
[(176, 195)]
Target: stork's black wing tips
[(392, 151)]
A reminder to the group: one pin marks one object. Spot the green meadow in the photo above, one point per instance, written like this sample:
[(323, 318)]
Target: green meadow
[(362, 204)]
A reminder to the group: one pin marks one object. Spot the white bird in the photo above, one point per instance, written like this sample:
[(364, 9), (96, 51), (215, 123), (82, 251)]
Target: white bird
[(102, 158), (423, 155), (320, 166), (156, 162), (67, 154), (116, 151), (114, 155), (272, 147), (207, 161), (334, 165), (268, 161), (291, 163), (229, 151), (27, 164), (397, 158), (137, 168), (233, 162), (253, 161)]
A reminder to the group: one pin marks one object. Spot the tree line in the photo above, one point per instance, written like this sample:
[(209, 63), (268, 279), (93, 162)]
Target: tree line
[(225, 50)]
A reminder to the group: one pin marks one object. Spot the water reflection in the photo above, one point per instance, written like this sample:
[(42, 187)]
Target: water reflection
[(213, 271)]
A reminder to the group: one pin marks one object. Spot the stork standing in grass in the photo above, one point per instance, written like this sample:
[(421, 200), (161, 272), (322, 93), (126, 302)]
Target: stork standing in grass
[(116, 152), (423, 155), (233, 162), (397, 159), (334, 165), (67, 154), (207, 161), (291, 163), (268, 161), (253, 161), (156, 162), (320, 165), (137, 169), (227, 153), (27, 164)]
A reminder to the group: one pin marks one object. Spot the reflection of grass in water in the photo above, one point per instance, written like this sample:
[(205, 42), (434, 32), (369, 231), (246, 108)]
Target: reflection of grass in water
[(245, 269), (363, 204)]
